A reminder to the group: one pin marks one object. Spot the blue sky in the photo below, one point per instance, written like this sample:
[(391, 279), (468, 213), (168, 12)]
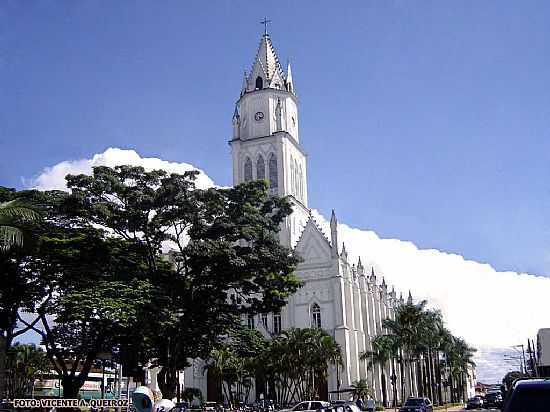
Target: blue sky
[(424, 121)]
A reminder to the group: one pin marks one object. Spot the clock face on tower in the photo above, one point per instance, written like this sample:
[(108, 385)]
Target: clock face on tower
[(258, 116)]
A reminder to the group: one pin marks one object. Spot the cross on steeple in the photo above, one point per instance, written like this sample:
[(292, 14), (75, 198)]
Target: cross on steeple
[(265, 22)]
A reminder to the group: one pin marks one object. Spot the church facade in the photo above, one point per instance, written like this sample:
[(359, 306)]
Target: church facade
[(344, 298)]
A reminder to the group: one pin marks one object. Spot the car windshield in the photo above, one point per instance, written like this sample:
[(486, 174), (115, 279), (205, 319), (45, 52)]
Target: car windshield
[(414, 402)]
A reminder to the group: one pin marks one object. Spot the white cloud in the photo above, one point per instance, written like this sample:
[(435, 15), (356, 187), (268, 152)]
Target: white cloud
[(54, 177), (492, 310)]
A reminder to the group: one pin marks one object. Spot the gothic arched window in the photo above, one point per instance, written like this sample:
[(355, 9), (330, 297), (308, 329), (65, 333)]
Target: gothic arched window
[(315, 316), (259, 83), (273, 175), (247, 169), (300, 183), (292, 180), (260, 168)]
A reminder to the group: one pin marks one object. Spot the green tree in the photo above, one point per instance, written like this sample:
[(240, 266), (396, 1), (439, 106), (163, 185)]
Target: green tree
[(296, 362), (384, 350), (96, 294), (360, 389), (14, 218), (26, 363), (226, 258)]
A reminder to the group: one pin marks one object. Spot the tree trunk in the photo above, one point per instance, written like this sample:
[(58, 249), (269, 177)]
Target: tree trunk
[(71, 386), (438, 378), (167, 381), (430, 375)]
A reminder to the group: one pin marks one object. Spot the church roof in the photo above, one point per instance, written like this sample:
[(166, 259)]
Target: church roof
[(267, 60)]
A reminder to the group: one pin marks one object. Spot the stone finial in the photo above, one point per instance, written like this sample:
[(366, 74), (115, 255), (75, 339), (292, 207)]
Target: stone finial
[(384, 283), (334, 234), (244, 87), (360, 269), (289, 81), (410, 298)]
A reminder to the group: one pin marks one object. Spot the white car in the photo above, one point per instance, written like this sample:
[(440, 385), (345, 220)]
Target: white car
[(307, 406)]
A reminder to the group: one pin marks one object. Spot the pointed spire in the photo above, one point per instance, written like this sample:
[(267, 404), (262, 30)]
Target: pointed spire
[(372, 278), (360, 269), (236, 123), (410, 298), (344, 253), (401, 297), (266, 64), (334, 234), (244, 87), (384, 283), (289, 81)]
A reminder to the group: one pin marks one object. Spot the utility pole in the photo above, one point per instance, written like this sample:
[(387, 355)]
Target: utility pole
[(522, 354)]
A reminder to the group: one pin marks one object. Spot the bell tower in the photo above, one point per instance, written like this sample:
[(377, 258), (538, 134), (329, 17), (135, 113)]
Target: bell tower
[(265, 142)]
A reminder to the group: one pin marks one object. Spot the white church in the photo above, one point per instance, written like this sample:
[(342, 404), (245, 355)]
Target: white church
[(340, 296)]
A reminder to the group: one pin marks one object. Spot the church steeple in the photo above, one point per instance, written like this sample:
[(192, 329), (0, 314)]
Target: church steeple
[(265, 142), (266, 70)]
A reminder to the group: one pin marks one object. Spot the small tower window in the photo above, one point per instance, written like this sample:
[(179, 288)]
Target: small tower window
[(315, 316), (247, 169), (264, 320), (273, 176), (259, 83), (250, 322), (260, 168)]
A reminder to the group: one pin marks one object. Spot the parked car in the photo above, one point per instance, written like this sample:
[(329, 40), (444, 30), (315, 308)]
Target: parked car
[(475, 403), (210, 406), (307, 406), (531, 395), (417, 405), (341, 406), (493, 400)]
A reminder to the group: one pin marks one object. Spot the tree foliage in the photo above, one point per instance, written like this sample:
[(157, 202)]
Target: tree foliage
[(146, 262), (296, 363), (25, 364)]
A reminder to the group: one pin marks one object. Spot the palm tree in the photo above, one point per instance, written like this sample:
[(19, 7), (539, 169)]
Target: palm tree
[(360, 389), (406, 330), (13, 217), (384, 349)]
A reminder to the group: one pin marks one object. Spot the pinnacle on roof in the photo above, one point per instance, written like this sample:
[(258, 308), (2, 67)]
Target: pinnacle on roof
[(245, 84), (344, 252), (384, 282), (410, 298)]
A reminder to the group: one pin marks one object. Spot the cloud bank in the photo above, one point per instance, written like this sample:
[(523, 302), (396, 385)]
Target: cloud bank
[(492, 310), (54, 177)]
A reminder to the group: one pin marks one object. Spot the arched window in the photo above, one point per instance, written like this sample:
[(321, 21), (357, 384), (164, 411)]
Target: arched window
[(259, 83), (301, 183), (296, 180), (250, 321), (273, 175), (292, 180), (260, 168), (315, 316), (247, 169)]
